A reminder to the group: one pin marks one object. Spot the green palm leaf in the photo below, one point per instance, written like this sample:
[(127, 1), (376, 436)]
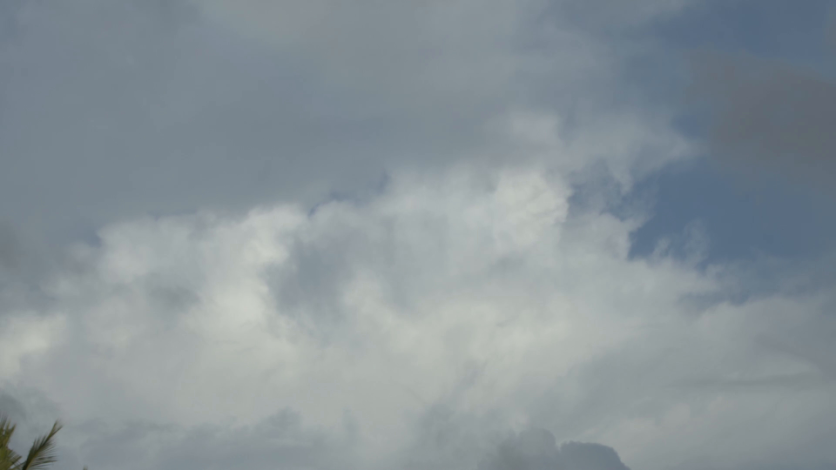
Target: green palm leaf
[(8, 457), (42, 452), (40, 455)]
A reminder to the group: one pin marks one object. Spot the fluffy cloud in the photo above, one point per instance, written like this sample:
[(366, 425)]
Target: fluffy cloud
[(417, 327)]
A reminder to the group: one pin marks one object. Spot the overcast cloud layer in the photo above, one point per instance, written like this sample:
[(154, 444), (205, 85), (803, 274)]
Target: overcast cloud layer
[(395, 235)]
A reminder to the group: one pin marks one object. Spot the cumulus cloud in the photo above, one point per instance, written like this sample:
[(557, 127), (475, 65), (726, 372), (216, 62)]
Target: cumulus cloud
[(450, 311)]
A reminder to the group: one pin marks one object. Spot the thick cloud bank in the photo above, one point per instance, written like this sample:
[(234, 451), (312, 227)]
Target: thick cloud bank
[(417, 327)]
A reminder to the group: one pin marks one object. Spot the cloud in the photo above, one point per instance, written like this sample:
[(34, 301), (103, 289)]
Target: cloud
[(172, 107), (280, 440), (769, 117), (831, 29), (9, 250), (612, 16), (168, 112), (437, 315), (230, 283), (536, 450), (10, 11)]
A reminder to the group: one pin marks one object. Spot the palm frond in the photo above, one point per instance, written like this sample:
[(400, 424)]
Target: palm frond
[(8, 457), (42, 452), (6, 431)]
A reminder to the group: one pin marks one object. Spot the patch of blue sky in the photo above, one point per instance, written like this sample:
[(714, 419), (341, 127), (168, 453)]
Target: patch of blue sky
[(778, 29), (743, 219)]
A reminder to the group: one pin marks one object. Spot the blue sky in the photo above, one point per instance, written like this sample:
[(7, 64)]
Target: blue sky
[(746, 218)]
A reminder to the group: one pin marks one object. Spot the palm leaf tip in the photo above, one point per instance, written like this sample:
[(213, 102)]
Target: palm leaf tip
[(42, 452), (8, 458)]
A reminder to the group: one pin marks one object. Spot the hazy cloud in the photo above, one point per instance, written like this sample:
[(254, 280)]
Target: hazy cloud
[(536, 450), (278, 441), (120, 109), (831, 29), (767, 116)]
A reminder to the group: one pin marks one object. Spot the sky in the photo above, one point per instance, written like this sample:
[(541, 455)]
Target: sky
[(459, 234)]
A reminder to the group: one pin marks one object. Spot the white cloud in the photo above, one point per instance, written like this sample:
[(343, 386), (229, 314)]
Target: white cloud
[(477, 291), (22, 335)]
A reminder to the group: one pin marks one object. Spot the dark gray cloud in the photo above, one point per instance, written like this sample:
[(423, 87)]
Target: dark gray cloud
[(767, 117), (116, 109), (612, 15), (282, 441), (11, 408), (9, 12), (32, 413), (443, 439), (536, 449), (278, 441), (9, 248), (113, 109)]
